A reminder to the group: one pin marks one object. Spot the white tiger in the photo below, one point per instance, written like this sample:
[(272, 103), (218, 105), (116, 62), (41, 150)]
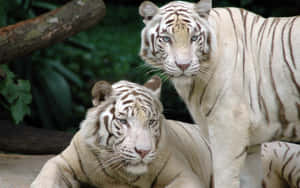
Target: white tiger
[(125, 142), (281, 163), (237, 72)]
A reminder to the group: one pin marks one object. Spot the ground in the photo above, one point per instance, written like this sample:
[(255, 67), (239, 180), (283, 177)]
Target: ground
[(18, 171)]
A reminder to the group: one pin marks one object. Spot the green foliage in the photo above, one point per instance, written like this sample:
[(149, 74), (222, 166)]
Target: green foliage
[(16, 94), (62, 75)]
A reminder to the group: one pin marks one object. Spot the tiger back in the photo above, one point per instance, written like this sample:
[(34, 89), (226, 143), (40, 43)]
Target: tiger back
[(126, 142)]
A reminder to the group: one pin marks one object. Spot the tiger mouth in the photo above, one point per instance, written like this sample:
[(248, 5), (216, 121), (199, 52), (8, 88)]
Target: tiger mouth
[(135, 164), (183, 75)]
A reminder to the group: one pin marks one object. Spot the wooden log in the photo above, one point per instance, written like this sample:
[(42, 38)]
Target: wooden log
[(24, 37), (29, 140)]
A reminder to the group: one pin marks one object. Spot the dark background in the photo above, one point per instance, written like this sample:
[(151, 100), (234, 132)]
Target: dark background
[(62, 75)]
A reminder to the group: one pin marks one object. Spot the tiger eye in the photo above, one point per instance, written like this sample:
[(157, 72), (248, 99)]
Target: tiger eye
[(166, 39), (123, 121), (194, 38)]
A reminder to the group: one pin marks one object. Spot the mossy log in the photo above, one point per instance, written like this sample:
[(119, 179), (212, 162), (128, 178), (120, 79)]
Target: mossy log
[(24, 37)]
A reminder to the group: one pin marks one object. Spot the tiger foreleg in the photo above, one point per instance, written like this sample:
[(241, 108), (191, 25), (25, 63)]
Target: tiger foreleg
[(281, 165), (55, 174), (229, 137), (229, 154)]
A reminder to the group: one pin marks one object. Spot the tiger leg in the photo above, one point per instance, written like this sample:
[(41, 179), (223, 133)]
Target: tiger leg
[(229, 138), (281, 164), (252, 172), (55, 174)]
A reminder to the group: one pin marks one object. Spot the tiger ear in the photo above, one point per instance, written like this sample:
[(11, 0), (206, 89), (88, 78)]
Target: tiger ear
[(203, 7), (154, 84), (100, 92), (147, 10)]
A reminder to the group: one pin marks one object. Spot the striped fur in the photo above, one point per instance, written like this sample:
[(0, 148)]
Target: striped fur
[(237, 72), (125, 142), (281, 163)]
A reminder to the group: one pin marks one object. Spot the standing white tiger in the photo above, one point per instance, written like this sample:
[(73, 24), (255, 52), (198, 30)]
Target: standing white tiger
[(237, 72), (125, 142)]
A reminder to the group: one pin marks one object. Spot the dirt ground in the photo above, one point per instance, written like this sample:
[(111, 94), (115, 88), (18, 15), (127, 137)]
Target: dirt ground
[(18, 171)]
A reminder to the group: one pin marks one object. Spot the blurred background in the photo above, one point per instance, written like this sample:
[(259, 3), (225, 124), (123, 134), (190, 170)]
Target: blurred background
[(56, 81)]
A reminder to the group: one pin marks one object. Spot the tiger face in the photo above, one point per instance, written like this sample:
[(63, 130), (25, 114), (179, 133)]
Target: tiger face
[(176, 37), (129, 124)]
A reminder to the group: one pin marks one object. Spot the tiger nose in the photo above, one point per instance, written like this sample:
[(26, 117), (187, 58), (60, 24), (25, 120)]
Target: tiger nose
[(184, 66), (142, 152)]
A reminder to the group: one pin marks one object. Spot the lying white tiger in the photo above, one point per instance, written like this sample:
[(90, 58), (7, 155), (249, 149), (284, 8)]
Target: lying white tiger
[(125, 142), (237, 72), (281, 163)]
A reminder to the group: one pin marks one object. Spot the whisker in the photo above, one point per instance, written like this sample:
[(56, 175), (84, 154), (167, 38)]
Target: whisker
[(111, 162)]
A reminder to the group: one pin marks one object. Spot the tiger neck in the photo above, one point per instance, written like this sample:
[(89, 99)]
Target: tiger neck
[(191, 90)]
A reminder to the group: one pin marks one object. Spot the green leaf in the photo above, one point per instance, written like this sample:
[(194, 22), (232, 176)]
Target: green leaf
[(43, 110), (246, 2), (17, 94), (58, 94), (2, 15), (18, 110), (44, 5), (67, 73)]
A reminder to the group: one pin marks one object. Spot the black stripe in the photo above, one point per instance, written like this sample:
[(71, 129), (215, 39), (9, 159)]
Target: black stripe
[(152, 43), (281, 109), (218, 14), (127, 102), (125, 96), (211, 181), (254, 21), (261, 33), (291, 174), (244, 16), (70, 167), (250, 96), (236, 40), (242, 153), (286, 61), (270, 168), (80, 163), (160, 171), (273, 22), (285, 164), (275, 153), (192, 88), (214, 105), (290, 41)]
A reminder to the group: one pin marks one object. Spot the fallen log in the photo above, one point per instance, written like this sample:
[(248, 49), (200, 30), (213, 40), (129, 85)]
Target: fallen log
[(29, 140)]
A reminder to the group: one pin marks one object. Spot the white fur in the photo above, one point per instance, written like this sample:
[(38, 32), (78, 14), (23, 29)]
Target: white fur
[(249, 87)]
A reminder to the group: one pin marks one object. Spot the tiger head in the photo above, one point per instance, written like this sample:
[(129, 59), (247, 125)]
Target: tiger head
[(176, 37), (126, 124)]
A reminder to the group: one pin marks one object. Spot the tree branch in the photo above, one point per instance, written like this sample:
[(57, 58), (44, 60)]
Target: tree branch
[(33, 34)]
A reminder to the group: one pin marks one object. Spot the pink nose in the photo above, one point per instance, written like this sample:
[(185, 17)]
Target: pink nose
[(183, 67), (141, 152)]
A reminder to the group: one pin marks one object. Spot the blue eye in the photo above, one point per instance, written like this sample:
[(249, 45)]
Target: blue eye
[(166, 39), (194, 38), (122, 121)]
